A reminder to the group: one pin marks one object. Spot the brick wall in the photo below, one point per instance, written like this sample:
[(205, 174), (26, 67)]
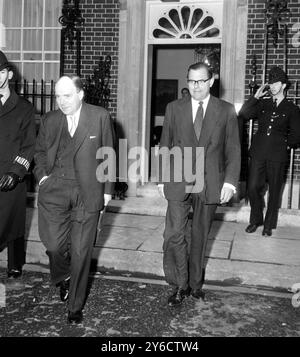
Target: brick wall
[(99, 38), (255, 46)]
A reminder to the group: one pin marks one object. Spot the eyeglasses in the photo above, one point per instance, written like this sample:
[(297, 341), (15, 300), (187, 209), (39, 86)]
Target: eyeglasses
[(199, 82)]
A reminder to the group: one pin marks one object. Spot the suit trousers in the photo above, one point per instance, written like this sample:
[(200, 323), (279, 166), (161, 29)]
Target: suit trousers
[(183, 258), (16, 253), (260, 173), (68, 232)]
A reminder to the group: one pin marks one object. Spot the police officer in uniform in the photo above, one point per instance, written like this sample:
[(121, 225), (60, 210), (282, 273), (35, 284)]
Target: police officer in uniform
[(17, 141), (278, 129)]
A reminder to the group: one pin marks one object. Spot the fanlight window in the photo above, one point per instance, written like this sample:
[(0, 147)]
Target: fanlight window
[(186, 23)]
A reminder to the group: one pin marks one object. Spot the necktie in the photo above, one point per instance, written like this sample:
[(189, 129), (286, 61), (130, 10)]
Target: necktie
[(275, 103), (198, 120), (72, 125), (1, 104)]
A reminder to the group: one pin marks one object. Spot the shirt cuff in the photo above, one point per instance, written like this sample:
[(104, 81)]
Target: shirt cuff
[(229, 185)]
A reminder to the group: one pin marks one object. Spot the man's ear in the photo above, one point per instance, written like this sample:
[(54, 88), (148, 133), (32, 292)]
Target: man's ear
[(81, 94), (211, 81), (10, 74)]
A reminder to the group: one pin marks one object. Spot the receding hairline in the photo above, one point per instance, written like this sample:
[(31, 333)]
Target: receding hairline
[(76, 80)]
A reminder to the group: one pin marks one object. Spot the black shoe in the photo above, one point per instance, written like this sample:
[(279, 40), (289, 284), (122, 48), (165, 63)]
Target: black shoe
[(64, 289), (75, 317), (14, 273), (198, 294), (251, 228), (267, 232), (179, 295)]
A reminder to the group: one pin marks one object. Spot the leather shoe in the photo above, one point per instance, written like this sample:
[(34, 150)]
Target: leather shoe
[(178, 296), (64, 289), (267, 232), (14, 273), (198, 294), (75, 317), (251, 228)]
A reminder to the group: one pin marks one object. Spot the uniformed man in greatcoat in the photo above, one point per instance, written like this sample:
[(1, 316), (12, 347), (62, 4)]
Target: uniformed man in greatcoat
[(17, 142), (278, 129)]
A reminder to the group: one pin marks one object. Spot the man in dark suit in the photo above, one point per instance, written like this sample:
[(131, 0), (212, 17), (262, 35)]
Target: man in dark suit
[(17, 140), (202, 121), (71, 195), (278, 128)]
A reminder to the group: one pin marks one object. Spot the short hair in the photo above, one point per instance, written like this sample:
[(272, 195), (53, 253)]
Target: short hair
[(185, 89), (199, 65)]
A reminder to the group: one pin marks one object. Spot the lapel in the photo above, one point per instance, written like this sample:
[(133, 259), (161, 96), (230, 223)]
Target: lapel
[(187, 125), (84, 125), (53, 145), (210, 121), (10, 103)]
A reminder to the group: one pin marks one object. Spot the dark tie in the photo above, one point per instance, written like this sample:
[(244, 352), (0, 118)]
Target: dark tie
[(198, 120), (274, 103)]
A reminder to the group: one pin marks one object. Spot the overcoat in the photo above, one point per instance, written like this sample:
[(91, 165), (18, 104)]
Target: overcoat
[(277, 128), (17, 142)]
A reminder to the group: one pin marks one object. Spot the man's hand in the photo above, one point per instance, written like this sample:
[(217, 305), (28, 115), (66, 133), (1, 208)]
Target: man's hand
[(161, 190), (107, 198), (226, 194), (9, 181), (262, 90)]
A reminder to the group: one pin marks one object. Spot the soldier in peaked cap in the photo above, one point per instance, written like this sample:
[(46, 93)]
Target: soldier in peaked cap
[(17, 141), (278, 129)]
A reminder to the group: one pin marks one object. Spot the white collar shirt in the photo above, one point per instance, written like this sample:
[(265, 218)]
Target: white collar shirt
[(76, 116), (195, 105)]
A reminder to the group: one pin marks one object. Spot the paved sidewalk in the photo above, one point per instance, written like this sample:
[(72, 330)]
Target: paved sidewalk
[(131, 241)]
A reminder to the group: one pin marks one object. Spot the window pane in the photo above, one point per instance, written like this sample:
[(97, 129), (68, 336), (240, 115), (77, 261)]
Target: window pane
[(52, 56), (13, 56), (51, 71), (52, 40), (13, 40), (32, 40), (32, 56), (12, 12), (33, 13), (52, 13), (33, 71)]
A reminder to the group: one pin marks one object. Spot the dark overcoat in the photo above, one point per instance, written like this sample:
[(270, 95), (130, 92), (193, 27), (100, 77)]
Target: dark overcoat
[(278, 128), (17, 142)]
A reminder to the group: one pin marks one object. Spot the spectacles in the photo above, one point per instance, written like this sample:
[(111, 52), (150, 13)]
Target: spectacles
[(200, 81)]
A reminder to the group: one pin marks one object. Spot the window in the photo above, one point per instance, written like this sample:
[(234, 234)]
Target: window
[(31, 37)]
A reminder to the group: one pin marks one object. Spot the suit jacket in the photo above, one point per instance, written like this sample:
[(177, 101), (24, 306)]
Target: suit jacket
[(93, 132), (219, 139), (277, 128)]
